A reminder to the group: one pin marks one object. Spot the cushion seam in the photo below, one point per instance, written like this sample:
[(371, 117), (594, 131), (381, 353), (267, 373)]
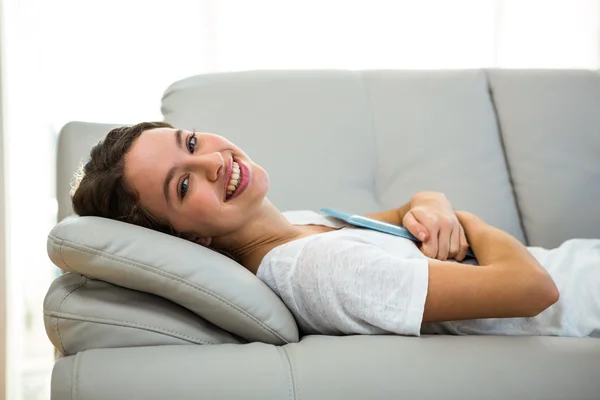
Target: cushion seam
[(168, 276), (75, 381), (505, 156), (116, 322), (295, 394), (62, 345), (60, 252), (371, 112)]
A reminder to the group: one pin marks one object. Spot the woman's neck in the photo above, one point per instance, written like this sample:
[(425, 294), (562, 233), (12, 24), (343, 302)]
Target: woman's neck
[(268, 229), (253, 258)]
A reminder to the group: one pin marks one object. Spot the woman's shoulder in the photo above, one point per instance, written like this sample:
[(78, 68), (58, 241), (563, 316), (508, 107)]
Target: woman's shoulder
[(335, 245), (287, 255)]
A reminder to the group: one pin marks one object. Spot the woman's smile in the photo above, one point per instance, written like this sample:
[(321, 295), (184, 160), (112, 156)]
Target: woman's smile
[(238, 179)]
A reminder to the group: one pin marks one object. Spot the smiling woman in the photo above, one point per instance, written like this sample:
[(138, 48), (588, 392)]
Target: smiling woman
[(343, 280), (199, 175), (233, 168), (198, 186)]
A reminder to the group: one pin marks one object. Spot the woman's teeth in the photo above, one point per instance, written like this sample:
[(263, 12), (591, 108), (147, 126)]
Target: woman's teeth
[(234, 181)]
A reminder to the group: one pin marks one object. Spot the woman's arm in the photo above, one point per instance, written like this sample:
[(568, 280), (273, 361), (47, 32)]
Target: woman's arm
[(509, 282)]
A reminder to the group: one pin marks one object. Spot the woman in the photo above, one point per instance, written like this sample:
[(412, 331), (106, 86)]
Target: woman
[(337, 279)]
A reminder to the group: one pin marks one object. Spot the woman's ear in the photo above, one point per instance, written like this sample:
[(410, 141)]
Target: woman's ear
[(202, 241)]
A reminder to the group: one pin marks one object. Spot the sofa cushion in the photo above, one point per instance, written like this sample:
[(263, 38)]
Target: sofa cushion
[(550, 123), (205, 282), (82, 314), (310, 130), (377, 367), (437, 130)]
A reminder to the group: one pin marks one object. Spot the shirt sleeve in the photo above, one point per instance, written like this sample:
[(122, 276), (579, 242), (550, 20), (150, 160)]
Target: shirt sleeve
[(355, 287)]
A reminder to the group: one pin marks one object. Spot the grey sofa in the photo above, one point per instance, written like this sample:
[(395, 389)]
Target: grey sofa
[(142, 315)]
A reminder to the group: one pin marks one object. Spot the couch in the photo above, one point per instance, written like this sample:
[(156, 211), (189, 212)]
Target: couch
[(142, 315)]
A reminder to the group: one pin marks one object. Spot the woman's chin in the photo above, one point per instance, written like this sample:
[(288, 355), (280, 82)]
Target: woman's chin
[(261, 181)]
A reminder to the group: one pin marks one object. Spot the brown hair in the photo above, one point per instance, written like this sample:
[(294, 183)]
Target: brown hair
[(100, 188)]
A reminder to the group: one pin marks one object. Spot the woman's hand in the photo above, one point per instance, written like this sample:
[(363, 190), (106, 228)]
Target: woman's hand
[(432, 220)]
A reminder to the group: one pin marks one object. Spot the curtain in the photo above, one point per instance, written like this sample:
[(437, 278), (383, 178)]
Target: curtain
[(111, 60)]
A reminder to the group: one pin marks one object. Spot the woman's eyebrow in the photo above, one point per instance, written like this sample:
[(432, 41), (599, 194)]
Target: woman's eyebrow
[(171, 173), (178, 138), (167, 182)]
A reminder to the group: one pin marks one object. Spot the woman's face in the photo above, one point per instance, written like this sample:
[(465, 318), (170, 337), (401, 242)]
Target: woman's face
[(199, 182)]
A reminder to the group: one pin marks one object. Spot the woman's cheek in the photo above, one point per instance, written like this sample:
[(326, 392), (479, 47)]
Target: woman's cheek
[(206, 204)]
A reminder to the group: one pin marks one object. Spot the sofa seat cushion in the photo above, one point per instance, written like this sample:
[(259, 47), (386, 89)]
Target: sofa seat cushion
[(350, 367)]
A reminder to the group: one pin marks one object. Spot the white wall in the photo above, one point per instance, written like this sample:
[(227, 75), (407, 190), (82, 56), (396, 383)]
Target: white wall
[(2, 271), (3, 257)]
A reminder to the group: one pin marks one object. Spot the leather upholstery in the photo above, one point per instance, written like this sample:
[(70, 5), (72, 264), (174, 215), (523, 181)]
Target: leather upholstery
[(550, 124), (352, 367), (503, 144), (82, 313)]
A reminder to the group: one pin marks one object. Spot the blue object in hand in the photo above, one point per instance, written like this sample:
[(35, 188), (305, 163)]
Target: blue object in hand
[(370, 223)]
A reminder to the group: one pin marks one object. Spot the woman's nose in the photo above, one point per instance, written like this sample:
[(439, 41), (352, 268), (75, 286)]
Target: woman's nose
[(208, 164)]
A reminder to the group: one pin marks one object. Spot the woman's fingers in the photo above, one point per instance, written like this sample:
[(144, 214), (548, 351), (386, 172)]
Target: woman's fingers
[(442, 237), (444, 242), (417, 229), (464, 245), (429, 245), (454, 242)]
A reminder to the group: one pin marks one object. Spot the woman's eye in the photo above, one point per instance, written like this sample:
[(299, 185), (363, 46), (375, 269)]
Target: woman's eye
[(192, 143), (183, 187)]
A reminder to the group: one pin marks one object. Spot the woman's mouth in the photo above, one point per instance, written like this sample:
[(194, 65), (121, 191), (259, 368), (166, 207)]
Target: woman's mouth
[(238, 181), (234, 180)]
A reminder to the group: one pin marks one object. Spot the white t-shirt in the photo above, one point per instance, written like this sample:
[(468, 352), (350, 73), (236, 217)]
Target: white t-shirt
[(360, 281)]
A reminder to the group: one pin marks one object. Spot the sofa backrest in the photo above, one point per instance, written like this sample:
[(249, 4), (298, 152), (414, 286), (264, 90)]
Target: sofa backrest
[(550, 124), (501, 143), (359, 141)]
